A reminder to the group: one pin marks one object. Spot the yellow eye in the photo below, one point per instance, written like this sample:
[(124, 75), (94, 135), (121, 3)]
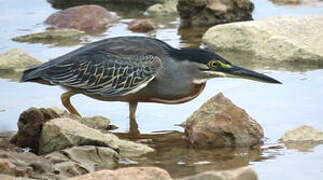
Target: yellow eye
[(214, 64)]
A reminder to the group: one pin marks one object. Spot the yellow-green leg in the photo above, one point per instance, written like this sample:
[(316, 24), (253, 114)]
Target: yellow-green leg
[(133, 129), (66, 101)]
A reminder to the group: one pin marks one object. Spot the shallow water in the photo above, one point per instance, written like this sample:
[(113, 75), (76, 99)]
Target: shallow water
[(276, 107)]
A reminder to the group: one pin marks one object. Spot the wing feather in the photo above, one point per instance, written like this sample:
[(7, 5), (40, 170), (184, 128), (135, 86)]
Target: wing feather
[(105, 74)]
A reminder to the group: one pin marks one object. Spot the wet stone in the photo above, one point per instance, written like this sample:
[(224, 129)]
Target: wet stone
[(212, 12), (142, 25), (88, 18), (220, 123)]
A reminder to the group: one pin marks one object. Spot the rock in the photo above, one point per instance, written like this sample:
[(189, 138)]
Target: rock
[(286, 2), (303, 138), (212, 12), (30, 125), (169, 7), (16, 60), (88, 18), (244, 173), (59, 3), (83, 159), (142, 25), (6, 177), (62, 133), (5, 143), (279, 40), (56, 36), (133, 173), (6, 167), (219, 123), (27, 164)]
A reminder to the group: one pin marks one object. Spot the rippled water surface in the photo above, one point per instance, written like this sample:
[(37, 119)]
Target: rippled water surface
[(276, 107)]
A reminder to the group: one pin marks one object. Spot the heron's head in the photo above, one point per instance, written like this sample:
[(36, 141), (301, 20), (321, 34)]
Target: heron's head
[(211, 65)]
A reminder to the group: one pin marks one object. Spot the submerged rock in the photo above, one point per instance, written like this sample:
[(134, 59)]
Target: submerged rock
[(80, 160), (303, 138), (278, 40), (30, 125), (133, 173), (167, 8), (56, 36), (244, 173), (16, 60), (62, 133), (124, 2), (286, 2), (88, 18), (220, 123), (142, 25), (212, 12)]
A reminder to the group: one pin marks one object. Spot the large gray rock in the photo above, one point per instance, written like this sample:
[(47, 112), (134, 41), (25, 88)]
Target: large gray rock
[(88, 18), (278, 40), (16, 60), (133, 173), (80, 160), (303, 138), (212, 12), (57, 36), (220, 123), (244, 173), (62, 133)]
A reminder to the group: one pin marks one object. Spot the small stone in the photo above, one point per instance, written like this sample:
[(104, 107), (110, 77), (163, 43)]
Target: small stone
[(16, 60), (133, 173), (142, 25), (243, 173), (220, 123), (52, 36), (88, 18), (213, 12)]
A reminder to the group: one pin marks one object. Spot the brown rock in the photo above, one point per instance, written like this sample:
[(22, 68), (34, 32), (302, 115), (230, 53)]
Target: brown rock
[(30, 124), (219, 123), (88, 18), (212, 12), (243, 173), (142, 25), (6, 167), (133, 173)]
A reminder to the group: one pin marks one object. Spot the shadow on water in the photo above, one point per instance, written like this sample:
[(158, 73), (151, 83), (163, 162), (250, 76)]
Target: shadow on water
[(174, 154)]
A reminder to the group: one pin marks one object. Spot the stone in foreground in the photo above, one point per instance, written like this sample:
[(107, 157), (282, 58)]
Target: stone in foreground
[(88, 18), (212, 12), (220, 123), (16, 60), (30, 125), (80, 160), (52, 36), (167, 8), (61, 133), (133, 173), (244, 173), (277, 39)]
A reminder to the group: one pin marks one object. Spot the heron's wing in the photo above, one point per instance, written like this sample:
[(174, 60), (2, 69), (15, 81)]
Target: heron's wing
[(105, 74)]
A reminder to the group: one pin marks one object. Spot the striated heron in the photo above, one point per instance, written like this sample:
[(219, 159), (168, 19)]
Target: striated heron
[(135, 69)]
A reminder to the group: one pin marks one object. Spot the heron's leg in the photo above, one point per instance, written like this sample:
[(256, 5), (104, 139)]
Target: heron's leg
[(66, 100), (133, 129)]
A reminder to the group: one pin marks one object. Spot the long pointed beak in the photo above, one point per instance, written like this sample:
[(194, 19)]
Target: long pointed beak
[(239, 72)]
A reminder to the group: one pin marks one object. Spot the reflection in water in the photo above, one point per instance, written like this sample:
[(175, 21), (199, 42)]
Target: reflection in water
[(302, 146), (175, 155)]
